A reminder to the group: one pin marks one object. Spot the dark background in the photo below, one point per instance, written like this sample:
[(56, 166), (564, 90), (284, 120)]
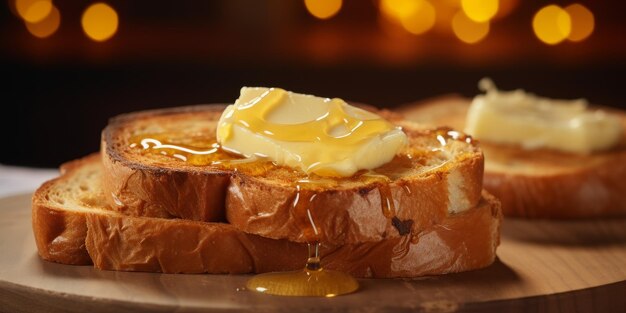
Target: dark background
[(58, 92)]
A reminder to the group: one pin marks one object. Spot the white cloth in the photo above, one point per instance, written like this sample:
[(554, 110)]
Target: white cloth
[(16, 180)]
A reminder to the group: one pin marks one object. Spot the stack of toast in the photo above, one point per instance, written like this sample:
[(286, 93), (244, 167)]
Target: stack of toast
[(162, 197)]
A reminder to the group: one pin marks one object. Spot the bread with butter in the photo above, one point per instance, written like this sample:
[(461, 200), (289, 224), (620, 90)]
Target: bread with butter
[(540, 183), (436, 176)]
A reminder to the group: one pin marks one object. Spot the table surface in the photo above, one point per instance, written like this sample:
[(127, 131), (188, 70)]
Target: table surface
[(15, 180), (542, 266)]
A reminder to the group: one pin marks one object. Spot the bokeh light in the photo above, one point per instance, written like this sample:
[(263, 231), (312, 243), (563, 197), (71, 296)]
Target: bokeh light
[(33, 11), (583, 22), (421, 19), (323, 9), (413, 16), (47, 26), (552, 24), (100, 21), (480, 10), (398, 9), (468, 30)]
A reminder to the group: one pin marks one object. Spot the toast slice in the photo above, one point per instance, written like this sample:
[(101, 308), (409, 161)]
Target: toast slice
[(540, 183), (73, 225), (437, 175)]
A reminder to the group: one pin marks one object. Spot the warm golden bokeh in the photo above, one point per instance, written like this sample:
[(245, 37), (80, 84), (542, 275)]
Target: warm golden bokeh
[(466, 20), (398, 9), (468, 30), (323, 9), (421, 19), (552, 24), (47, 26), (583, 22), (33, 11), (99, 21), (21, 6), (480, 10), (38, 11)]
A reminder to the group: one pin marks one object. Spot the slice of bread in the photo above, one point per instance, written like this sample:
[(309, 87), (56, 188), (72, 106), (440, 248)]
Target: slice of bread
[(540, 183), (434, 177), (72, 224), (155, 185)]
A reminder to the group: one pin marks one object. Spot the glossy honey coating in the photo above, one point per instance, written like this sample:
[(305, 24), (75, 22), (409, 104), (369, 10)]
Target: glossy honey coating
[(327, 137), (379, 189)]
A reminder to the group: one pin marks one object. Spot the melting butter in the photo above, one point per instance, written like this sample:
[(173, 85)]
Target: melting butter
[(532, 122), (323, 136)]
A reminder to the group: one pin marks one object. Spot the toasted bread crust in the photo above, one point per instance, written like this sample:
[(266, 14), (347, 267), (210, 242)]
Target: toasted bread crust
[(141, 189), (352, 215), (346, 214), (148, 191), (459, 243), (541, 183), (114, 241)]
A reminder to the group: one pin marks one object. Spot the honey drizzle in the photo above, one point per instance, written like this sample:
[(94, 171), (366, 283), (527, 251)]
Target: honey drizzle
[(304, 193), (386, 201), (443, 134), (313, 262), (387, 205), (302, 203), (200, 149), (254, 116), (200, 153), (313, 280), (304, 218)]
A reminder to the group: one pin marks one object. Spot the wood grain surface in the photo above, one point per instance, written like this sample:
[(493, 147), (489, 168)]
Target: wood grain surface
[(542, 266)]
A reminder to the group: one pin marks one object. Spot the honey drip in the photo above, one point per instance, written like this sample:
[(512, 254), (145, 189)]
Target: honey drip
[(313, 280), (193, 150), (388, 207), (386, 199)]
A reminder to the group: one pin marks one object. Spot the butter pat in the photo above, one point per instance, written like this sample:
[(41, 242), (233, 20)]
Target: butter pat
[(324, 136), (532, 122)]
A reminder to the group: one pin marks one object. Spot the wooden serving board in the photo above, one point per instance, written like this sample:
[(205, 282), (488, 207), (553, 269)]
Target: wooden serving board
[(542, 266)]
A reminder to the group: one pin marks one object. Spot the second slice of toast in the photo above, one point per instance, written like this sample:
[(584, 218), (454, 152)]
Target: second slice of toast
[(540, 183)]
